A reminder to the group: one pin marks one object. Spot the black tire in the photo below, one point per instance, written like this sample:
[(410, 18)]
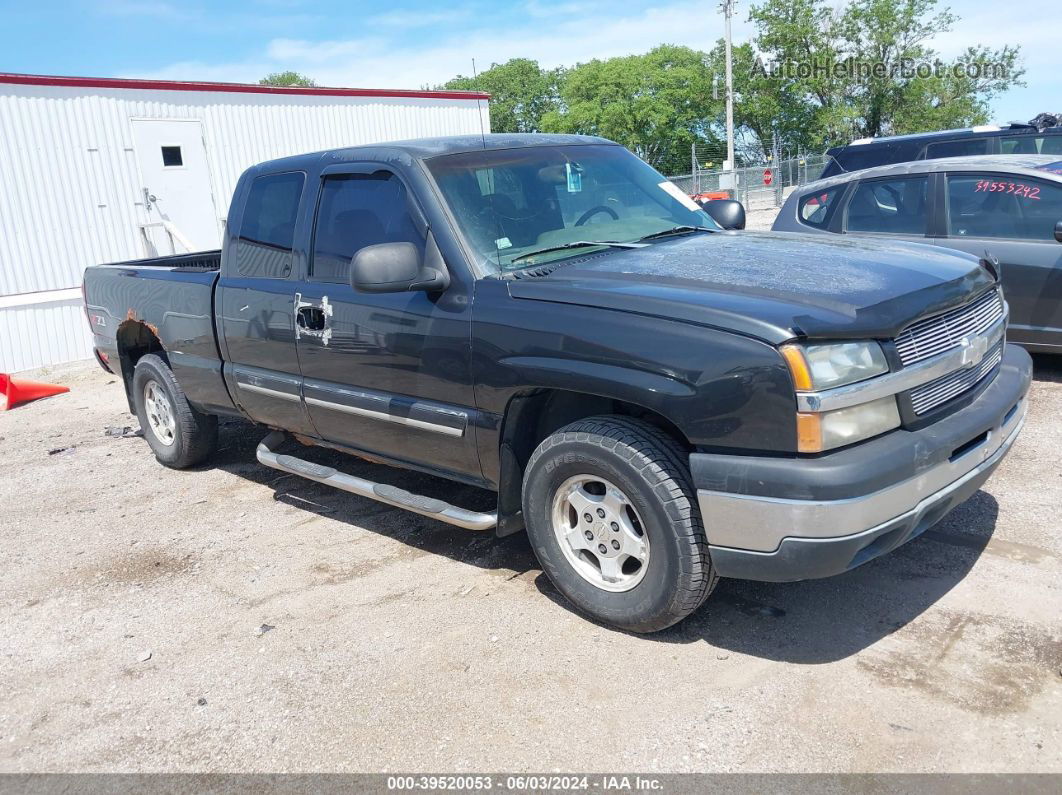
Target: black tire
[(195, 434), (652, 471)]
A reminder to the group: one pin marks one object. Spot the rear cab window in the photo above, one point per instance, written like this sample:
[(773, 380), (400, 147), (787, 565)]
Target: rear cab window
[(267, 229)]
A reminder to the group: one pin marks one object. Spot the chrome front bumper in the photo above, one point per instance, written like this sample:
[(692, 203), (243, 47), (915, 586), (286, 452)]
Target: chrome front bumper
[(764, 536)]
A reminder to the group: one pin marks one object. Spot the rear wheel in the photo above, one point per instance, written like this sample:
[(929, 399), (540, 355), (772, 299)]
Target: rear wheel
[(611, 514), (178, 434)]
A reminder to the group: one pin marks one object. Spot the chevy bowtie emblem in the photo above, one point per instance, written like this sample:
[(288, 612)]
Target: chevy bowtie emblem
[(973, 350)]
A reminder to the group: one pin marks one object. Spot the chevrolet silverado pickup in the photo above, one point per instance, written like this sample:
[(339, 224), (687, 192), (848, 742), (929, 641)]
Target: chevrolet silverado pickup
[(657, 400)]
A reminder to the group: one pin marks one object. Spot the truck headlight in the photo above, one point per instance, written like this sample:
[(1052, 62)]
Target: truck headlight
[(821, 367), (818, 431), (816, 367)]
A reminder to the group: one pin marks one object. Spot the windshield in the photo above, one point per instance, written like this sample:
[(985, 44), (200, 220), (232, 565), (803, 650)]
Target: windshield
[(512, 203)]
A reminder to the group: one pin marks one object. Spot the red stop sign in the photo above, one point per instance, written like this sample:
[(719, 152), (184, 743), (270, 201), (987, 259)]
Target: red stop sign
[(768, 176)]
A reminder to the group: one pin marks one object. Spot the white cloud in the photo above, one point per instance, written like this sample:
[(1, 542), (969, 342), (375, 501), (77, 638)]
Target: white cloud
[(393, 60), (569, 31)]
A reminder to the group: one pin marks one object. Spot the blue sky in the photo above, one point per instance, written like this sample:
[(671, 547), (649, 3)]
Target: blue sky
[(413, 44)]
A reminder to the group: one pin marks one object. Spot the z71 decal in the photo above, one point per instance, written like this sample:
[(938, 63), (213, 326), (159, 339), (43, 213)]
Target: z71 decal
[(1019, 189)]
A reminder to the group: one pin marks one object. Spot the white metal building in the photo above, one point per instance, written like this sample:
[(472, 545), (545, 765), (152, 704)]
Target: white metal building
[(100, 170)]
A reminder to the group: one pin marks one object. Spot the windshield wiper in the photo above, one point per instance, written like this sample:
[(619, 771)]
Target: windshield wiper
[(677, 230), (576, 244)]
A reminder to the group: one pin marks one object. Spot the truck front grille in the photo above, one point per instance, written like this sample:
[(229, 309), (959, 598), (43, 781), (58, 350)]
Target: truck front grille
[(936, 335), (940, 390)]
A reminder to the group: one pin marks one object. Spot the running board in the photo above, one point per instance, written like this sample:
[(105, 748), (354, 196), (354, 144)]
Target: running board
[(391, 495)]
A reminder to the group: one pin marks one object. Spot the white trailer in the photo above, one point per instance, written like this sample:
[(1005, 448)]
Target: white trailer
[(101, 170)]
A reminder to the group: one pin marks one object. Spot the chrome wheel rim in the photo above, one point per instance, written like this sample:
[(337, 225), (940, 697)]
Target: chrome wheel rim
[(159, 413), (600, 533)]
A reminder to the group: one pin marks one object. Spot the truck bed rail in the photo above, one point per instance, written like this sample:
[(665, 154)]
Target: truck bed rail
[(197, 261)]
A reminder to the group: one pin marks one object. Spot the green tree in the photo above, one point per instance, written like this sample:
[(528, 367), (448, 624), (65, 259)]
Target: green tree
[(656, 104), (287, 79), (819, 74), (520, 93)]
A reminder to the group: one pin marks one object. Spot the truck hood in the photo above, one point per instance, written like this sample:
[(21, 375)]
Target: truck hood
[(770, 285)]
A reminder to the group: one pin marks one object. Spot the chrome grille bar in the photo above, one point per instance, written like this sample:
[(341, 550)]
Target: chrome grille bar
[(941, 390), (935, 335)]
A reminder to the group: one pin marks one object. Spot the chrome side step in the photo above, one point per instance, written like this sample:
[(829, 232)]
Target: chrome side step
[(391, 495)]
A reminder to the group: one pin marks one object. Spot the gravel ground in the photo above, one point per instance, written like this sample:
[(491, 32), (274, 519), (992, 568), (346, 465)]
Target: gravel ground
[(236, 619)]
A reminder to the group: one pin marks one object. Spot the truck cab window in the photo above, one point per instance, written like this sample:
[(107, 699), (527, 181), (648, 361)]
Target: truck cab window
[(267, 230), (359, 210)]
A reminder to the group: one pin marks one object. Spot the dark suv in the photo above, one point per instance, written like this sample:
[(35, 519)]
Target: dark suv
[(1015, 139)]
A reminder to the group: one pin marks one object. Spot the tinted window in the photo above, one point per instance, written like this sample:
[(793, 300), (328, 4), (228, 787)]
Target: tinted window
[(894, 206), (1000, 205), (960, 148), (358, 210), (855, 157), (815, 208), (1051, 144), (1031, 144), (1021, 144), (267, 230), (171, 156)]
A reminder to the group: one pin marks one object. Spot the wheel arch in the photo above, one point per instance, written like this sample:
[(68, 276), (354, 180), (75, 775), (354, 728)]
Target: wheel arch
[(135, 339), (531, 415)]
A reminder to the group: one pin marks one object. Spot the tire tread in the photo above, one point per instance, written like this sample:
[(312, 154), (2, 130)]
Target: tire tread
[(198, 432), (662, 462)]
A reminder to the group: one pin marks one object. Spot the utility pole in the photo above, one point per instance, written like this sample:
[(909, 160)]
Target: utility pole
[(728, 11)]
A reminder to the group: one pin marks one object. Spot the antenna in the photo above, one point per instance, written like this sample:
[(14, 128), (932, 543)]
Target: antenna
[(479, 108)]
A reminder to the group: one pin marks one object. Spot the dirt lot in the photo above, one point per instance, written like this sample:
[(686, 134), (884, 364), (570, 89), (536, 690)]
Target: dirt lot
[(236, 619)]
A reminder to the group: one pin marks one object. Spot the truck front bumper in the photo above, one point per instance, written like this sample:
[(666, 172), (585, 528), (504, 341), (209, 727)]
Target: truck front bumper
[(784, 519)]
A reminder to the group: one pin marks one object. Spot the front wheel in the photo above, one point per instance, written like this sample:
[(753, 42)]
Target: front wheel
[(612, 516), (178, 434)]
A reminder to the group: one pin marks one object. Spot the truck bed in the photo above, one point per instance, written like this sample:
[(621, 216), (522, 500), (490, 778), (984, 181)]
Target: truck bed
[(166, 302)]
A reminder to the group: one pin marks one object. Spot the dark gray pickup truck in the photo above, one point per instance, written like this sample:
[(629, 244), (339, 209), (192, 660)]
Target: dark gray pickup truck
[(659, 401)]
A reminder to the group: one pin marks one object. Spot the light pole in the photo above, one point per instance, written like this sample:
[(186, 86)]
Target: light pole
[(728, 11)]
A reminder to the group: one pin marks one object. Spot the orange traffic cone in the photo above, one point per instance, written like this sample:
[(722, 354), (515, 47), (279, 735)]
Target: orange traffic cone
[(13, 392)]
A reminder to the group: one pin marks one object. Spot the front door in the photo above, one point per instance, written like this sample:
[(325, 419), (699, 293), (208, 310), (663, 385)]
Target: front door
[(383, 373), (181, 213), (1012, 218)]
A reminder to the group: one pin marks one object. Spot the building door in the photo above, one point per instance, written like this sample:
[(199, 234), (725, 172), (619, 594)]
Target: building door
[(181, 213)]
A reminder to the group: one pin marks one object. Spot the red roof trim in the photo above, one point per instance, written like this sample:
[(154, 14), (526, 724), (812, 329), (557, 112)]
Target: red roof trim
[(230, 88)]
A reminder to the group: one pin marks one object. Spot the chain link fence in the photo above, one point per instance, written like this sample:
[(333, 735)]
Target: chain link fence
[(748, 183)]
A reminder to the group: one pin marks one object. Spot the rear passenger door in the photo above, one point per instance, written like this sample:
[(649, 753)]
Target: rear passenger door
[(384, 373), (1012, 217), (255, 300)]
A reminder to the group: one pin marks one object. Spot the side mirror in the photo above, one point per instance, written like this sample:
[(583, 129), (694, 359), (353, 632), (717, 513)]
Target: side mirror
[(1058, 231), (394, 268), (728, 213)]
